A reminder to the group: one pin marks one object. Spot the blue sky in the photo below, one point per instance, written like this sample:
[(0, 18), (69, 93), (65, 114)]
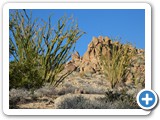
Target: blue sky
[(127, 24)]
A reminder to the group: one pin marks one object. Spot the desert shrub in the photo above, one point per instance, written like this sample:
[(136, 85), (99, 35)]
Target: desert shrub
[(38, 51), (118, 104), (25, 75), (46, 90), (17, 96), (117, 66), (121, 99), (72, 101), (139, 71)]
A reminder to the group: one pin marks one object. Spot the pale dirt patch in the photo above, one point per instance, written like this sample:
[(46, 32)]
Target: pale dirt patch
[(39, 103)]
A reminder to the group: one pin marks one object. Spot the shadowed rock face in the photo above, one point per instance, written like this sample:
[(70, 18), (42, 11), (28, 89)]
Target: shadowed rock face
[(89, 63)]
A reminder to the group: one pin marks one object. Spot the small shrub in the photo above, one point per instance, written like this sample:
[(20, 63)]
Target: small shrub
[(17, 96), (25, 76), (46, 90), (72, 101), (121, 100)]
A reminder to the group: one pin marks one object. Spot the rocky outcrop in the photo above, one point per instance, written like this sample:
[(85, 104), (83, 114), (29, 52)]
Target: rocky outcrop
[(96, 47), (90, 63)]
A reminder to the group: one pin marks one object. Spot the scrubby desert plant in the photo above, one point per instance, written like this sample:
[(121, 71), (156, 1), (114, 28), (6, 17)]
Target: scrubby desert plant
[(38, 51), (121, 99), (79, 101), (17, 96), (83, 101), (25, 75), (117, 65)]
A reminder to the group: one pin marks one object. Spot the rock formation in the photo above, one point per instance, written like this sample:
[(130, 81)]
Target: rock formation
[(90, 63)]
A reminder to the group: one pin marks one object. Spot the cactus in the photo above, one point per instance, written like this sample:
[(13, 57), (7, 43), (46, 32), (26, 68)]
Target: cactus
[(46, 49), (117, 67)]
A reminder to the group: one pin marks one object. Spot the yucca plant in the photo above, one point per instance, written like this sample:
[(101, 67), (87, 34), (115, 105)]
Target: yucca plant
[(117, 65), (44, 48)]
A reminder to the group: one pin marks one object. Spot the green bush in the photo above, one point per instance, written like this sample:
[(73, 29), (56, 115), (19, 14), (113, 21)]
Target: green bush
[(25, 75), (118, 66), (38, 52)]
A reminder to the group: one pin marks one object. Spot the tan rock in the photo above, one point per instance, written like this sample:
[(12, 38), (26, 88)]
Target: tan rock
[(100, 39), (98, 49), (70, 67), (86, 56), (89, 69), (92, 54), (77, 63), (94, 61), (75, 56), (104, 50), (95, 41), (107, 41), (140, 51), (90, 45)]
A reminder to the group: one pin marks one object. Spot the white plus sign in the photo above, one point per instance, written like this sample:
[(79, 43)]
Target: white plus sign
[(147, 99)]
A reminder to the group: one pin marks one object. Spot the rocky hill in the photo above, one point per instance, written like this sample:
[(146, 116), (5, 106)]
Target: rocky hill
[(87, 87)]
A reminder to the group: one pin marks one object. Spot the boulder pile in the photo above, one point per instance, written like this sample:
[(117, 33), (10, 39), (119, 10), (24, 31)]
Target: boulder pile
[(90, 63)]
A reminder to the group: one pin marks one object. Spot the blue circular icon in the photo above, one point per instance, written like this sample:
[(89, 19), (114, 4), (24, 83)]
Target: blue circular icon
[(147, 99)]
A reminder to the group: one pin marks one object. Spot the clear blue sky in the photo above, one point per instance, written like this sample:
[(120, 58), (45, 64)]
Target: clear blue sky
[(129, 24)]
